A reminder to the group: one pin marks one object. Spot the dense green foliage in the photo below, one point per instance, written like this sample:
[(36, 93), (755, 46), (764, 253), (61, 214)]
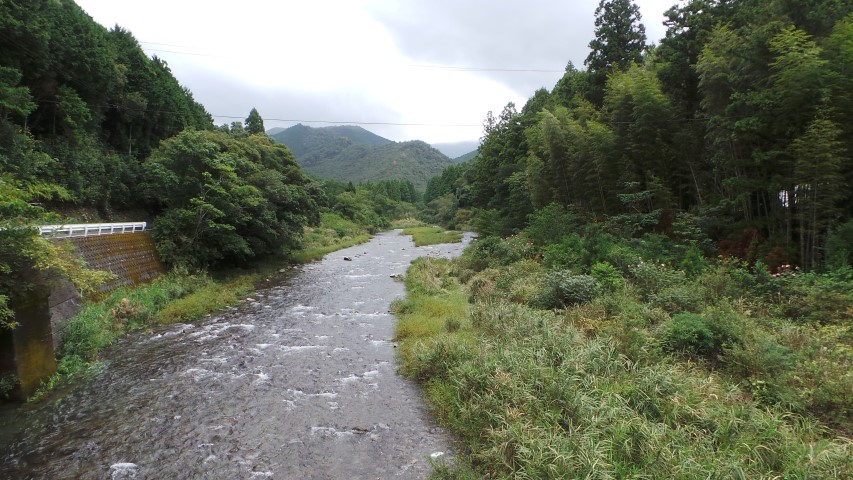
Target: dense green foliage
[(372, 205), (446, 197), (353, 154), (614, 364), (672, 295), (223, 199), (80, 108), (741, 118)]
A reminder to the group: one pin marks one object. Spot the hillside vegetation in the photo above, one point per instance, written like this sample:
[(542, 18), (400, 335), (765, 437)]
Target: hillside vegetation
[(353, 154), (741, 119), (663, 283), (601, 360), (92, 129)]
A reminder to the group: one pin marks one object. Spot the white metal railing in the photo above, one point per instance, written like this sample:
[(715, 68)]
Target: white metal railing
[(90, 229)]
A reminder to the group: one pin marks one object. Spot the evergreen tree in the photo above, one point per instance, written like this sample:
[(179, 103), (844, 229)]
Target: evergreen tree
[(255, 124), (620, 40)]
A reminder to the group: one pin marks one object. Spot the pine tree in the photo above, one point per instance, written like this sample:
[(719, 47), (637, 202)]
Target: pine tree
[(254, 123), (620, 40)]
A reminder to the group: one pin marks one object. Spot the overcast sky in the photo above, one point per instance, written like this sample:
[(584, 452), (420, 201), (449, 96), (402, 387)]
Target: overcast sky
[(439, 63)]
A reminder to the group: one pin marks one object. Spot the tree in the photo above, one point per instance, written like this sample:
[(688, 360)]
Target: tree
[(14, 99), (225, 199), (818, 155), (255, 124), (26, 259), (620, 40)]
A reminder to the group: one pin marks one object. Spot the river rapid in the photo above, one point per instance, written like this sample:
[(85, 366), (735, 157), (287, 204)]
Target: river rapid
[(298, 381)]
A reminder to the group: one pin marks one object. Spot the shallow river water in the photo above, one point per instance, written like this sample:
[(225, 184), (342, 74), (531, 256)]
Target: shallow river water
[(299, 381)]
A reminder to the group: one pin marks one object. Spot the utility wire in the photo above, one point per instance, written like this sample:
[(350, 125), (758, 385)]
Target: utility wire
[(359, 122), (353, 122), (450, 68)]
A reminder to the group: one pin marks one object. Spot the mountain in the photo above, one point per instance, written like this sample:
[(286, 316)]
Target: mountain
[(466, 157), (325, 141), (351, 153), (275, 130)]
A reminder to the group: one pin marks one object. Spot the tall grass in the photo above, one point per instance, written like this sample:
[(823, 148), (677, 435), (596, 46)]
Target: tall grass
[(590, 391), (333, 233), (171, 298), (432, 235)]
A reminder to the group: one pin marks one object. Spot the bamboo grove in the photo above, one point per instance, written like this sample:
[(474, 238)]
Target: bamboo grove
[(740, 120)]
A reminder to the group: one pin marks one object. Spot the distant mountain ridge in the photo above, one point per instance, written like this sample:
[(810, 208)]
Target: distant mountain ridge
[(351, 153), (466, 157)]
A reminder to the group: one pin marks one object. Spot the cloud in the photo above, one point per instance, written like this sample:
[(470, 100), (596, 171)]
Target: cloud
[(534, 35), (365, 60)]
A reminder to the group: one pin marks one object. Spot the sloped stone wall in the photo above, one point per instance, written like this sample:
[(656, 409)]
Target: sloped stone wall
[(28, 351), (130, 256)]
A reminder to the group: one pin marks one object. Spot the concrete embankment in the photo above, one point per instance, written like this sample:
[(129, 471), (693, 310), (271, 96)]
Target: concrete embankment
[(28, 352)]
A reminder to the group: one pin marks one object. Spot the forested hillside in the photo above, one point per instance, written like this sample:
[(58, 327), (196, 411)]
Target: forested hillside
[(663, 285), (351, 153), (91, 129), (739, 123), (309, 143)]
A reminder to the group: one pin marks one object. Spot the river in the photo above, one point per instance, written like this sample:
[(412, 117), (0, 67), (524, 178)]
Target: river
[(298, 381)]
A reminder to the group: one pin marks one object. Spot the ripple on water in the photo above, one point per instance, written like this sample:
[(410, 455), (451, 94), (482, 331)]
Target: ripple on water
[(330, 432), (300, 348), (123, 470)]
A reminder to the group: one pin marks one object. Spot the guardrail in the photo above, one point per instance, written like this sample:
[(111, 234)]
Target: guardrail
[(90, 229)]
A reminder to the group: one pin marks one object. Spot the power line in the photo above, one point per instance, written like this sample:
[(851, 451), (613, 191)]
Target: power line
[(355, 122), (187, 53), (449, 68)]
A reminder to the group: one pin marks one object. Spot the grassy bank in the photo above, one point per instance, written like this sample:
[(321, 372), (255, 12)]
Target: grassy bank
[(170, 299), (556, 363), (426, 235), (334, 233)]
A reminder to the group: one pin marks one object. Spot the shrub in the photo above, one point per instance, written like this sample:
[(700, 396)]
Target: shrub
[(597, 247), (680, 298), (492, 252), (651, 278), (759, 355), (692, 262), (562, 289), (550, 224), (520, 282), (687, 333), (656, 248), (607, 276), (568, 253), (623, 257)]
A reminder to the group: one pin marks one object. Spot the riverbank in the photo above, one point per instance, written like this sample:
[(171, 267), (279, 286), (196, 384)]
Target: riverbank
[(297, 381), (182, 297), (651, 371)]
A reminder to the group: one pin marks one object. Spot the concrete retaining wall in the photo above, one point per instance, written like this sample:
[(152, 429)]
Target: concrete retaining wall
[(28, 351)]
